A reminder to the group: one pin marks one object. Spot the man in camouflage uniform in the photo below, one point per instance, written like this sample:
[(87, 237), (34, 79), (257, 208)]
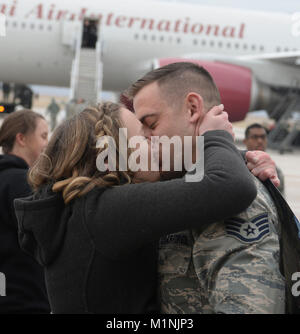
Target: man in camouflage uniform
[(228, 267)]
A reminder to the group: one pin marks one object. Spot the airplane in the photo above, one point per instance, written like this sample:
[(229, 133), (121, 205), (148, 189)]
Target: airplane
[(254, 57)]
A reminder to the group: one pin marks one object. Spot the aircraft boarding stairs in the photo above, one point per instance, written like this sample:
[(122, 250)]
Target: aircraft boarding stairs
[(286, 133), (87, 71)]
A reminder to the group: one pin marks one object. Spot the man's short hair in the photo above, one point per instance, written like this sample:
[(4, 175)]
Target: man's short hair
[(176, 80), (253, 126)]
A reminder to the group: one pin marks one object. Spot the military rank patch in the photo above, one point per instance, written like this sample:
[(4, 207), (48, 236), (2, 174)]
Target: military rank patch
[(248, 231)]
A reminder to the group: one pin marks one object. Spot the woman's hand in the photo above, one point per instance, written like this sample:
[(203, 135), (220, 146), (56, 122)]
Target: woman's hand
[(215, 119), (262, 166)]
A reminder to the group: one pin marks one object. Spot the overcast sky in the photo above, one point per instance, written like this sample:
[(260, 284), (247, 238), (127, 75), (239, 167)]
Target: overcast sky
[(290, 6)]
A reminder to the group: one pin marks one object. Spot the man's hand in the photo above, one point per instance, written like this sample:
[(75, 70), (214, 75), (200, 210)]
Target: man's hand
[(261, 165), (215, 119)]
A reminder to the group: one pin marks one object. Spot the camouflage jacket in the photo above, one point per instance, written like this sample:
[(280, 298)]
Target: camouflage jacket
[(231, 266)]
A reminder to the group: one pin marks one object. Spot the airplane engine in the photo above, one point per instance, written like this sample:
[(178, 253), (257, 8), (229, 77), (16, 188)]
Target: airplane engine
[(240, 91)]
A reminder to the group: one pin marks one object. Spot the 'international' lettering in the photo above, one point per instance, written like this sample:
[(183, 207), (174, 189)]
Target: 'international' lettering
[(120, 21)]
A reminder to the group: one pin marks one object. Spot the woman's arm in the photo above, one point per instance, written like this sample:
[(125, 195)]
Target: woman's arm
[(124, 218)]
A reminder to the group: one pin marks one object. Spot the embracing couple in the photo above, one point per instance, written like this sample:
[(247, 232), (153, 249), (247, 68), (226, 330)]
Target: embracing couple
[(150, 242)]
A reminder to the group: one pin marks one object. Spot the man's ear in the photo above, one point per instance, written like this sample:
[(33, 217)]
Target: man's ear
[(20, 139), (195, 107)]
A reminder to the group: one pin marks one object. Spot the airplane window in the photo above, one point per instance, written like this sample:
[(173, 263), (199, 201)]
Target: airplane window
[(278, 49), (32, 26), (145, 37), (170, 39), (245, 46), (229, 45), (41, 27), (195, 42), (15, 24), (178, 40), (204, 42), (237, 46), (261, 48), (220, 44), (212, 43), (153, 38), (49, 28), (286, 50), (136, 36), (253, 47), (23, 25), (162, 38)]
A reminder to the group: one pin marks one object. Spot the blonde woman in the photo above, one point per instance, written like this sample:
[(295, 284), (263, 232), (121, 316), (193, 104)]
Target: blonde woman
[(96, 233), (23, 136)]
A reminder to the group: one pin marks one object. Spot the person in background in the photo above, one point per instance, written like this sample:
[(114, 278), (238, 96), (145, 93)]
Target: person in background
[(23, 136), (53, 110), (6, 91), (230, 266), (86, 34), (89, 34), (93, 34), (256, 140)]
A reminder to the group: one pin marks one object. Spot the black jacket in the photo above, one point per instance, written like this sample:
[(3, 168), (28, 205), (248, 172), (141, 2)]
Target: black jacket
[(100, 251), (289, 249), (25, 287)]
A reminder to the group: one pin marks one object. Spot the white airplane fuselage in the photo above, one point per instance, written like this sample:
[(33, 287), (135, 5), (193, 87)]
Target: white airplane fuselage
[(38, 47)]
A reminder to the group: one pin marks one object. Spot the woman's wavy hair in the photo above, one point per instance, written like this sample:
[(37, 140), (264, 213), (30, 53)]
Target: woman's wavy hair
[(69, 162)]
